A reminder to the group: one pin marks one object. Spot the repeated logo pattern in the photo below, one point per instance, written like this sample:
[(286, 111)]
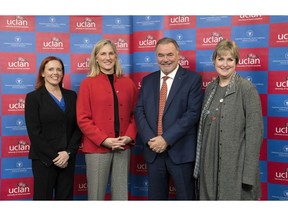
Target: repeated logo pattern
[(26, 40)]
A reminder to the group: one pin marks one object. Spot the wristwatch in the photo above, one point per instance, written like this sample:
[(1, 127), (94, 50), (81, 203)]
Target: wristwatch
[(68, 152)]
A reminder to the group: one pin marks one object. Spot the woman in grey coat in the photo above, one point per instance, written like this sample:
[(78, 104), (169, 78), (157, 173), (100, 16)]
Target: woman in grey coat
[(230, 133)]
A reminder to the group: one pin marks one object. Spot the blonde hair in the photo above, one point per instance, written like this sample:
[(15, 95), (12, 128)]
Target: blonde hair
[(225, 45), (93, 65)]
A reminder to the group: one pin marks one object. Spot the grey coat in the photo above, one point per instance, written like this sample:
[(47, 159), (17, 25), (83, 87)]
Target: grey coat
[(240, 139)]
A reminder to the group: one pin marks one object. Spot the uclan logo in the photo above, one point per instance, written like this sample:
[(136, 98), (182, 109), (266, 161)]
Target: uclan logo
[(183, 61), (251, 59), (205, 84), (21, 146), (172, 189), (87, 23), (215, 37), (282, 175), (142, 166), (149, 41), (249, 16), (121, 43), (21, 188), (282, 130), (282, 84), (19, 63), (179, 19), (19, 105), (84, 64), (139, 85), (18, 21), (83, 186), (282, 36), (53, 43)]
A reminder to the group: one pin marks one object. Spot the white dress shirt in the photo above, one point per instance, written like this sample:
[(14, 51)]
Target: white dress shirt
[(169, 81)]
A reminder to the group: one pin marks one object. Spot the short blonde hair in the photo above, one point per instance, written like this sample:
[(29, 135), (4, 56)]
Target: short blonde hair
[(224, 46)]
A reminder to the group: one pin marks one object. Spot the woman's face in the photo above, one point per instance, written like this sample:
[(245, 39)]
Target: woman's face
[(106, 59), (53, 73), (225, 65)]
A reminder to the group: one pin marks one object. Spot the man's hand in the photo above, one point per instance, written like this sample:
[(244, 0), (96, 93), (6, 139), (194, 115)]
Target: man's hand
[(158, 144)]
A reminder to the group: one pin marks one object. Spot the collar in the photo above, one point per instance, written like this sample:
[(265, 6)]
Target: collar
[(171, 75), (231, 86)]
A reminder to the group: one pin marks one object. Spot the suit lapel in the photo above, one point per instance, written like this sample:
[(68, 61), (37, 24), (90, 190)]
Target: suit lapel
[(47, 97), (67, 100), (156, 92), (177, 83)]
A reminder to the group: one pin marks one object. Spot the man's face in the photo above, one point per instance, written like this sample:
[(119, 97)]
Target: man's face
[(167, 57)]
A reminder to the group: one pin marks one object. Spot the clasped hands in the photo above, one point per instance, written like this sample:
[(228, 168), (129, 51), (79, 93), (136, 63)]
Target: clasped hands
[(61, 160), (157, 144), (117, 143)]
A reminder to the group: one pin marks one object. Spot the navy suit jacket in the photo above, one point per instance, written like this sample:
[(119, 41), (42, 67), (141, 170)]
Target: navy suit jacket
[(49, 128), (181, 114)]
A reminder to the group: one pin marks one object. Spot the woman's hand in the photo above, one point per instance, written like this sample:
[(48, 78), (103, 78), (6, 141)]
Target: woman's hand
[(117, 143), (62, 159)]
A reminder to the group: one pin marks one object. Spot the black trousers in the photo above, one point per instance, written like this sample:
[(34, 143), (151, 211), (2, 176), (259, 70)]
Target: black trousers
[(53, 183)]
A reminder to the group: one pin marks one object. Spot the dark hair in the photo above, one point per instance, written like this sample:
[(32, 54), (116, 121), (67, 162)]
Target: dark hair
[(40, 79), (167, 40)]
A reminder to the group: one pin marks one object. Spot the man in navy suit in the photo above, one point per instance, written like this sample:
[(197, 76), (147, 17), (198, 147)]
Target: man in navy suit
[(172, 152)]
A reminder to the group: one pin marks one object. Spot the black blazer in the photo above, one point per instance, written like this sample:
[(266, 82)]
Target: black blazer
[(49, 128)]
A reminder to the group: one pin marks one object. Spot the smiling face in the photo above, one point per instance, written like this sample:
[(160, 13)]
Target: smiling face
[(225, 58), (167, 57), (225, 65), (53, 73), (106, 59)]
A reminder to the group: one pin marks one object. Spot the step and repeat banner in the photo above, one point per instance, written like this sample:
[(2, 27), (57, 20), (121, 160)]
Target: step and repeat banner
[(26, 40)]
